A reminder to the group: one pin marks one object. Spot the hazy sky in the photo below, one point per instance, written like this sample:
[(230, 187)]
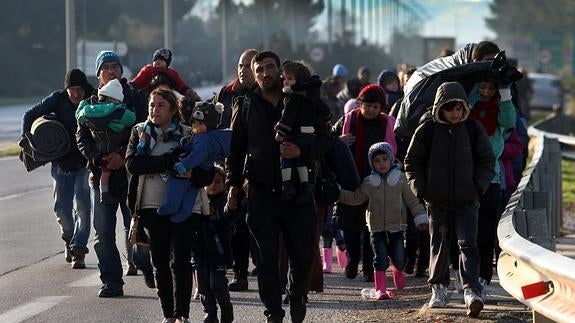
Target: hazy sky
[(462, 19)]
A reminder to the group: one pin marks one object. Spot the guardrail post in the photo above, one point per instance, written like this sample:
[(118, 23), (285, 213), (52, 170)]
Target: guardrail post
[(540, 318)]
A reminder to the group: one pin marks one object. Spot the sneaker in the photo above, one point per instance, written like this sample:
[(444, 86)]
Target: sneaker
[(483, 283), (131, 271), (149, 279), (238, 284), (473, 303), (169, 320), (111, 290), (183, 320), (78, 261), (438, 296)]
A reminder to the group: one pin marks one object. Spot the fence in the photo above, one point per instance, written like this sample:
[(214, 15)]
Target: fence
[(528, 267)]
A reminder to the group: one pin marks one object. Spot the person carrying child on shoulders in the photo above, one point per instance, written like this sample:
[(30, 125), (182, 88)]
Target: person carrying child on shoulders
[(387, 190), (161, 61)]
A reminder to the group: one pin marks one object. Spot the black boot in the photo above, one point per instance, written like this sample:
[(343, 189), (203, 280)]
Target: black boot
[(297, 309), (211, 317), (227, 312), (238, 284)]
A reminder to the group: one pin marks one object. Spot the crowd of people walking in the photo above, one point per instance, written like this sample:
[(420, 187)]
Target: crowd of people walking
[(407, 176)]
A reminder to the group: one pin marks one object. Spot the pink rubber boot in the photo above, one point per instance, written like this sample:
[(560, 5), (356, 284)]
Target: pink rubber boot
[(327, 260), (380, 286), (341, 258), (398, 278)]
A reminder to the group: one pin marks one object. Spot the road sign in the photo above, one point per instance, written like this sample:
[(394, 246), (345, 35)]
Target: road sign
[(545, 56), (316, 54)]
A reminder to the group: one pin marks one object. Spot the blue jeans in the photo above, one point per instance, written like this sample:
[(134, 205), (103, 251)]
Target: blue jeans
[(109, 261), (72, 205), (384, 244)]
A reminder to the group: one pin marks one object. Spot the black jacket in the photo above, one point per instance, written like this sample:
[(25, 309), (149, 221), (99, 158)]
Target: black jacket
[(227, 96), (254, 152)]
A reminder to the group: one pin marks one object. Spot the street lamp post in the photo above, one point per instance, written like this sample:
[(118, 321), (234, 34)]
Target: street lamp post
[(70, 35)]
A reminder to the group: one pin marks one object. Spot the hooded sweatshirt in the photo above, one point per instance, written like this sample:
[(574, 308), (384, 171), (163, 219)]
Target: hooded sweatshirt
[(450, 169), (388, 194)]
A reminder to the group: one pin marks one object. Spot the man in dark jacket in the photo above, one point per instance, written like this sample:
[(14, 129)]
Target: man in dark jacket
[(241, 241), (450, 164), (109, 67), (255, 156), (243, 83), (69, 172)]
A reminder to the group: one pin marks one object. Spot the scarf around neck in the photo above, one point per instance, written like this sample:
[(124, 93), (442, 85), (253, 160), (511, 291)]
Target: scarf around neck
[(151, 133)]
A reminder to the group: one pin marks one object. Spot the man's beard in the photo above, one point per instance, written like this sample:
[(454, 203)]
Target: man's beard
[(270, 86)]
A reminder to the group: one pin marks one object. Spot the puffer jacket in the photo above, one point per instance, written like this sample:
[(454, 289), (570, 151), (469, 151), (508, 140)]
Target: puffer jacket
[(95, 144), (388, 195), (455, 169)]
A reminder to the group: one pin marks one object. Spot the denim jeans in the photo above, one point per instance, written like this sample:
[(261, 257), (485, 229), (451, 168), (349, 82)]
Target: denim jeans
[(72, 205), (109, 261), (387, 244)]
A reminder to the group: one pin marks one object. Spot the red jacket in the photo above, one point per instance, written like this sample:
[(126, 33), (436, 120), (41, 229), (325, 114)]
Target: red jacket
[(146, 73)]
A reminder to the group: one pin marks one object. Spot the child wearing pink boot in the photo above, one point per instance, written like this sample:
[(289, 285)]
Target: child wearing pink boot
[(387, 190)]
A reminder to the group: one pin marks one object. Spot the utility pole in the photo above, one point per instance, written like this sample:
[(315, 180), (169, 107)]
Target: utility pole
[(329, 26), (70, 35), (168, 25), (224, 18)]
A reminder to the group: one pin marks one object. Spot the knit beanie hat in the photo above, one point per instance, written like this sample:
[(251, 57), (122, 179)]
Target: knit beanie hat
[(339, 70), (386, 77), (208, 113), (380, 148), (107, 56), (75, 77), (112, 89), (373, 93), (163, 53)]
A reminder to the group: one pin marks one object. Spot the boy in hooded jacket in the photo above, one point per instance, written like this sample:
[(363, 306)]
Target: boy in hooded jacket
[(449, 164), (387, 190)]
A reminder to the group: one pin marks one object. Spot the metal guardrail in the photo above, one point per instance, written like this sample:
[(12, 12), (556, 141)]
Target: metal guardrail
[(527, 232)]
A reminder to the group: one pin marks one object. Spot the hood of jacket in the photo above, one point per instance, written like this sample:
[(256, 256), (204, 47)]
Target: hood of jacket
[(449, 92)]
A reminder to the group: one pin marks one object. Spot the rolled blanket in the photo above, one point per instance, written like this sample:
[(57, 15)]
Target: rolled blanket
[(47, 141)]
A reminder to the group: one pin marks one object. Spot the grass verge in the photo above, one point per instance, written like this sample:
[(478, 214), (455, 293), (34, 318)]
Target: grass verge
[(9, 150), (568, 184)]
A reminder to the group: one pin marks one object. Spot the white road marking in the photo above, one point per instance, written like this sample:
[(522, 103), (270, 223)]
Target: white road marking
[(26, 311), (92, 280)]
